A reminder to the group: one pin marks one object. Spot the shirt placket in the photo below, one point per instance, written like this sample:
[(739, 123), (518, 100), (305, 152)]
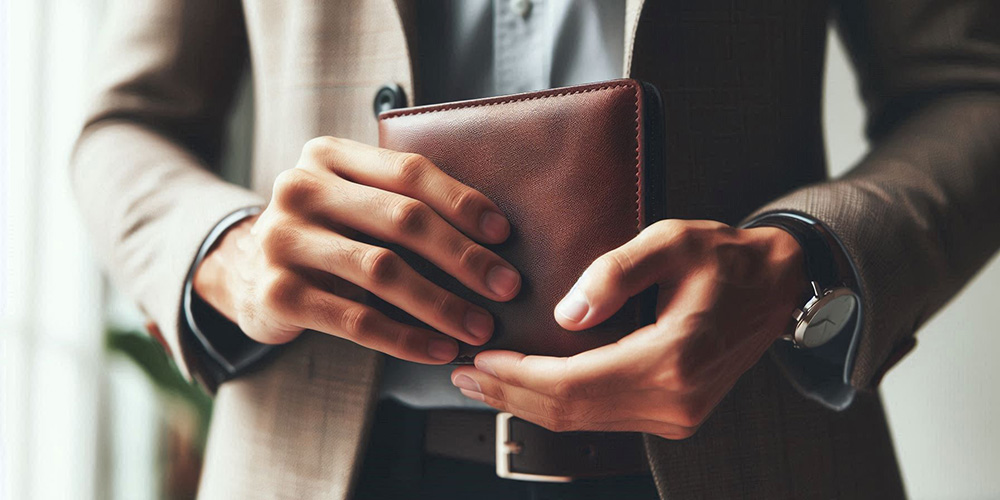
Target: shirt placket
[(521, 45)]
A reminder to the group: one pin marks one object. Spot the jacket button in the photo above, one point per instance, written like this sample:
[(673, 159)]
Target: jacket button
[(388, 97)]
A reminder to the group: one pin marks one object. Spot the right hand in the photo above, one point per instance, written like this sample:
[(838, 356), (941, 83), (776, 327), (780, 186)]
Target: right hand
[(277, 275)]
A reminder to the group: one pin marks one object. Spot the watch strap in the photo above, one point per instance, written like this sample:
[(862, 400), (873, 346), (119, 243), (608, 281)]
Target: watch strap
[(820, 264), (225, 350)]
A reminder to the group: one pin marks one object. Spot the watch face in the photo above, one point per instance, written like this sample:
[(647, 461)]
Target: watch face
[(828, 317)]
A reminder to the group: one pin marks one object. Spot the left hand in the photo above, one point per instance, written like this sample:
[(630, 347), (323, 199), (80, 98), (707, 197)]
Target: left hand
[(724, 296)]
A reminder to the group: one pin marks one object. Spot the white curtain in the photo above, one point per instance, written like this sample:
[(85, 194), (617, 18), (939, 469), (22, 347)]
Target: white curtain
[(65, 422)]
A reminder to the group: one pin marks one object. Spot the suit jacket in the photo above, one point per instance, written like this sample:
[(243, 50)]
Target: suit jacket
[(742, 85)]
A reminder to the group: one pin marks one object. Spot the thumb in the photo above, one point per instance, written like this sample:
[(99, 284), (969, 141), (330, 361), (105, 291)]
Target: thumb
[(607, 283)]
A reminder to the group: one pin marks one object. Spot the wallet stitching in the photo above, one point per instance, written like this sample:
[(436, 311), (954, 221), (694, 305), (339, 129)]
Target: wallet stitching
[(476, 104), (638, 165), (638, 130)]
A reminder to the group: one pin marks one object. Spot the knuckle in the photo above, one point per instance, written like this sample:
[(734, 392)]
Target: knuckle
[(615, 266), (410, 167), (280, 292), (380, 265), (277, 240), (444, 306), (293, 187), (410, 217), (677, 233), (408, 341), (358, 321), (319, 146), (464, 201), (674, 227), (469, 255)]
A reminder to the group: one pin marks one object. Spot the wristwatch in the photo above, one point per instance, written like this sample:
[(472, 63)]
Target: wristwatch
[(830, 304)]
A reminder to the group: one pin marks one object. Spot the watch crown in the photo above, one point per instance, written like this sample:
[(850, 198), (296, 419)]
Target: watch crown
[(797, 315)]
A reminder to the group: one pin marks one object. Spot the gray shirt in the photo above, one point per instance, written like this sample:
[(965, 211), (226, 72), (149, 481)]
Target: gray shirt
[(481, 48)]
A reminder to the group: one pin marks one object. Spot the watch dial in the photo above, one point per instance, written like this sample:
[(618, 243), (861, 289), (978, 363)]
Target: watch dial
[(829, 320)]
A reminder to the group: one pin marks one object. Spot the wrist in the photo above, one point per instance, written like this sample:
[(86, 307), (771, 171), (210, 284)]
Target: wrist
[(784, 259), (214, 277), (783, 254)]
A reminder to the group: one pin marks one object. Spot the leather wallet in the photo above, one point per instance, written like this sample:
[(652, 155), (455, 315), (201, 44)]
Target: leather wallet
[(578, 172)]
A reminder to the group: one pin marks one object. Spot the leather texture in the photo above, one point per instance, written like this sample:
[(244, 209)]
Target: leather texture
[(742, 87), (567, 167)]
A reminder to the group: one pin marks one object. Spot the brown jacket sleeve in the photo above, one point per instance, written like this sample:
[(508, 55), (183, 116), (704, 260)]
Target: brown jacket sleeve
[(165, 75), (920, 214)]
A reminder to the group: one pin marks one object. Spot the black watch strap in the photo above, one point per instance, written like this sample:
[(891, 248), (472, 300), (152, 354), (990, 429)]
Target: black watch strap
[(225, 351), (821, 266)]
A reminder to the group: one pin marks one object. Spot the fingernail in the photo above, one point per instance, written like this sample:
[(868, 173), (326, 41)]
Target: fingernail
[(442, 350), (574, 305), (478, 396), (478, 324), (484, 367), (494, 225), (502, 281), (466, 382)]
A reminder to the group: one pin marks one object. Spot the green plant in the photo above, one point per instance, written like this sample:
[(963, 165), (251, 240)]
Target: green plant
[(150, 357)]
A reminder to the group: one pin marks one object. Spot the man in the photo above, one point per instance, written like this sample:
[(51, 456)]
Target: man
[(225, 271)]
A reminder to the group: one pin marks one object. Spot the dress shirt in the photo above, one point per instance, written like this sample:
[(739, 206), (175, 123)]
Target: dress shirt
[(480, 48)]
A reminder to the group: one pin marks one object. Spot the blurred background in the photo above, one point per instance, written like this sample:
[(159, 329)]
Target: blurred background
[(91, 409)]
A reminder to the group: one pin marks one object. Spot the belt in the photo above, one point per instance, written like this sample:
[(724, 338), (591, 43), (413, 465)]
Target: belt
[(522, 450)]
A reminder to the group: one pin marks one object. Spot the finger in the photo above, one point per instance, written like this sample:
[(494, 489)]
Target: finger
[(662, 429), (385, 274), (417, 177), (657, 404), (414, 225), (610, 280), (595, 373), (315, 309), (598, 409)]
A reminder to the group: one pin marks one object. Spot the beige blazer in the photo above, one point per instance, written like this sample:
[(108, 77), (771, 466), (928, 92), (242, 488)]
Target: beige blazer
[(742, 88)]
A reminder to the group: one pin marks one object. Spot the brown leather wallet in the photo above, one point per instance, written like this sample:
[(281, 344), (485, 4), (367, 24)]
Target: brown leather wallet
[(578, 172)]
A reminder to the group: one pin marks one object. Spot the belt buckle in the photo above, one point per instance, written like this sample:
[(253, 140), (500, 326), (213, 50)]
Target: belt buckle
[(505, 447)]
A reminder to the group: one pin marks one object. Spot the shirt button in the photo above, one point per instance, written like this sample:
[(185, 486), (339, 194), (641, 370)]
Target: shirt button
[(520, 7), (389, 97)]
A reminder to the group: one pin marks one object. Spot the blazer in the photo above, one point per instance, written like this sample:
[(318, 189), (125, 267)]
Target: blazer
[(742, 86)]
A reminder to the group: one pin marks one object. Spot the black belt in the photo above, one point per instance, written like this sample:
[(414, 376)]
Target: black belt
[(522, 450)]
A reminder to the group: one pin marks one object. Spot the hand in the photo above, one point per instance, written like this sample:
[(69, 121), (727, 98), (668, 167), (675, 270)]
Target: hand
[(724, 296), (283, 272)]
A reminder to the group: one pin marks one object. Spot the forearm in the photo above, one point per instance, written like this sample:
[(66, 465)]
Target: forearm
[(142, 168), (917, 217), (148, 203)]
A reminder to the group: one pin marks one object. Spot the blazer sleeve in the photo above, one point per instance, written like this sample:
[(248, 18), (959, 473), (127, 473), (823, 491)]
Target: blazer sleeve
[(165, 74), (918, 215)]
